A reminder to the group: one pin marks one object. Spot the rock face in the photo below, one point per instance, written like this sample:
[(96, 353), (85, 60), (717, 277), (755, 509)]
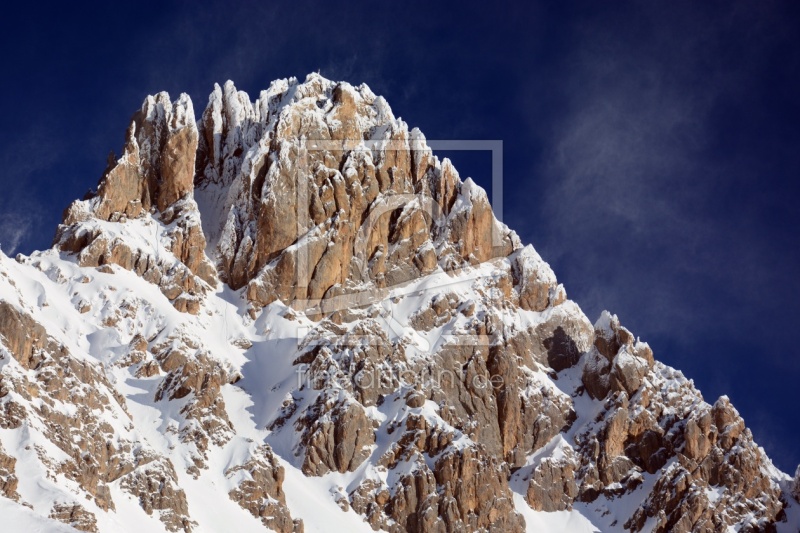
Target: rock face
[(617, 362), (74, 515), (317, 189), (8, 479), (536, 282), (796, 484), (157, 167), (156, 486), (154, 175), (94, 452), (293, 309), (553, 485), (718, 457), (260, 491), (337, 438)]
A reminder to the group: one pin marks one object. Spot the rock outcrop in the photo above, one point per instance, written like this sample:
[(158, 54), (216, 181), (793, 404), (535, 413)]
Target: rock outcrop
[(151, 185), (337, 436), (8, 479), (617, 362), (260, 491), (74, 515), (93, 452), (553, 483), (156, 486)]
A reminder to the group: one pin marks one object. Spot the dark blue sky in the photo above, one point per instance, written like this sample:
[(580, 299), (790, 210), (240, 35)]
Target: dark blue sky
[(652, 150)]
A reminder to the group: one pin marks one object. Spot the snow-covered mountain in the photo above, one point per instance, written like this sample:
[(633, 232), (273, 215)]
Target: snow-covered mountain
[(290, 315)]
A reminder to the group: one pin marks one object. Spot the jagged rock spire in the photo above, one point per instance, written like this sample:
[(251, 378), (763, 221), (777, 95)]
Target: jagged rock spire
[(154, 176), (157, 165), (308, 193), (315, 188)]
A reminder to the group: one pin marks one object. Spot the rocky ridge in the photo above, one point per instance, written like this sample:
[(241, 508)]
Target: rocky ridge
[(295, 296)]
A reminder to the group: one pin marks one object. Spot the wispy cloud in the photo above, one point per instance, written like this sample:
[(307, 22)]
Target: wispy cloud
[(32, 153), (649, 211), (14, 228), (628, 179)]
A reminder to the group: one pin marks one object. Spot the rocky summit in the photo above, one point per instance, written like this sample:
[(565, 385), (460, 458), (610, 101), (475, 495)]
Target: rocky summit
[(290, 315)]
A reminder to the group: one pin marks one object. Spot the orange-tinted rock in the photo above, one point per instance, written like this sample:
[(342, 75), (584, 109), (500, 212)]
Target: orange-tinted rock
[(74, 515), (261, 492)]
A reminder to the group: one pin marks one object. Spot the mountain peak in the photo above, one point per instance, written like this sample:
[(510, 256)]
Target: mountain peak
[(307, 164), (314, 190), (294, 300)]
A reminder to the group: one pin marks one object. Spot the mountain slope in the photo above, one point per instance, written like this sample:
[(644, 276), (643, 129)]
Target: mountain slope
[(290, 314)]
